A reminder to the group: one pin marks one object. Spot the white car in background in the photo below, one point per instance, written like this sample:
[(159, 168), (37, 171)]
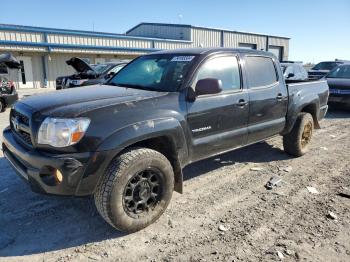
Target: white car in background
[(294, 71)]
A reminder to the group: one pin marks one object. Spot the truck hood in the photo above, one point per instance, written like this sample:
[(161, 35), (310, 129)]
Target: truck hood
[(75, 101), (79, 65), (8, 60)]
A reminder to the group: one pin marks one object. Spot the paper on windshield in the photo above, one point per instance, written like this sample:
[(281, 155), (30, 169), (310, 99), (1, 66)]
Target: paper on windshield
[(182, 58)]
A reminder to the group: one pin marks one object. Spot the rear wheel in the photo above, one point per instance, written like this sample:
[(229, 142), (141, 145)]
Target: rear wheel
[(135, 190), (297, 142)]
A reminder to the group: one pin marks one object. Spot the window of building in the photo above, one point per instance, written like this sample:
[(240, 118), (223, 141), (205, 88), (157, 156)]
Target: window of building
[(223, 68), (247, 46), (261, 71), (23, 73)]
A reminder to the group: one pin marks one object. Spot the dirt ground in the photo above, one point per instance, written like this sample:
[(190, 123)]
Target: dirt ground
[(286, 223)]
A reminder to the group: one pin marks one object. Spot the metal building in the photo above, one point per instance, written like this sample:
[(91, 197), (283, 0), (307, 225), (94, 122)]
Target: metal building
[(43, 51)]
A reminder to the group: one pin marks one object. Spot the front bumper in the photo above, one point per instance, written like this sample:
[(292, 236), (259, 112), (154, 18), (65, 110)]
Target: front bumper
[(80, 171)]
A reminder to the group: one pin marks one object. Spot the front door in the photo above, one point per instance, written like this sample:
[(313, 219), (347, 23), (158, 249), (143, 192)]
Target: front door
[(25, 74), (218, 122)]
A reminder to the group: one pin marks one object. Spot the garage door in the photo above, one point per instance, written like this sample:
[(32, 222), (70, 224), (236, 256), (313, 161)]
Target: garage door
[(277, 51)]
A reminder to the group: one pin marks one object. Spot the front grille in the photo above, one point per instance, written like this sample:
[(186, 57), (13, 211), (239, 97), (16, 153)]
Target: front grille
[(22, 118), (26, 137), (22, 126)]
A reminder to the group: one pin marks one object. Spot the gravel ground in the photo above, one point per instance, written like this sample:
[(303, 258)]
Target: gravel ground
[(225, 214)]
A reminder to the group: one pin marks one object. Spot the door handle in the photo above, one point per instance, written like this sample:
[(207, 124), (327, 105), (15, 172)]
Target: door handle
[(279, 97), (242, 103)]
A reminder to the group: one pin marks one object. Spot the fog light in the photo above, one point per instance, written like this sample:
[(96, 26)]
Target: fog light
[(58, 176)]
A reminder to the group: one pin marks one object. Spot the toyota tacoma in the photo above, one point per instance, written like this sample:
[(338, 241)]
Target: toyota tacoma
[(126, 142)]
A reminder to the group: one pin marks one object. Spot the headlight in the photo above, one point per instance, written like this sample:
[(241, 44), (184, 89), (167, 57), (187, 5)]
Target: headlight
[(62, 132)]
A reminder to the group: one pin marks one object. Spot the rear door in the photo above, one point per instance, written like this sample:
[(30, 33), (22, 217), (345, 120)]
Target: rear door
[(218, 122), (268, 97)]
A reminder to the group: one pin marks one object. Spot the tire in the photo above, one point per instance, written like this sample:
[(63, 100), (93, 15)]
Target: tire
[(2, 106), (297, 141), (133, 176)]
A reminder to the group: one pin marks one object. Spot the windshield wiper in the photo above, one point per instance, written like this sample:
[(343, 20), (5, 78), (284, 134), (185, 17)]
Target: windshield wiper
[(135, 86), (112, 84)]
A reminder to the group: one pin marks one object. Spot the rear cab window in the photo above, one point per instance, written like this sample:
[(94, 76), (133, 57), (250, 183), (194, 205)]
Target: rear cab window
[(261, 71)]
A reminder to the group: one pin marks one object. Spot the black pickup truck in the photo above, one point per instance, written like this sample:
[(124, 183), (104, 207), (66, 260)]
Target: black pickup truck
[(127, 142)]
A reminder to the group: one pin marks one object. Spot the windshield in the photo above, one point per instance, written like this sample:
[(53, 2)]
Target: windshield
[(99, 68), (163, 72), (284, 67), (325, 66), (340, 72)]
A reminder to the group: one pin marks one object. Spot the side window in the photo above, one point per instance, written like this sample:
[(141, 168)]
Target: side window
[(223, 68), (261, 71)]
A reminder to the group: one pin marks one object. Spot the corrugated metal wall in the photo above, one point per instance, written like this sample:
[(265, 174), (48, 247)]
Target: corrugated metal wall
[(206, 38), (234, 39), (171, 45), (162, 31), (94, 51), (21, 36), (38, 71), (29, 37), (97, 41)]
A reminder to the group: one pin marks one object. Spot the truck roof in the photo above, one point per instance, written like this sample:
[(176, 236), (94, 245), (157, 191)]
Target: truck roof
[(200, 51)]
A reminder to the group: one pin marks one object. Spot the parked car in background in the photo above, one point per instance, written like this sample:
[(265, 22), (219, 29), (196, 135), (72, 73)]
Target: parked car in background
[(339, 85), (94, 73), (322, 69), (293, 70), (8, 94), (111, 70)]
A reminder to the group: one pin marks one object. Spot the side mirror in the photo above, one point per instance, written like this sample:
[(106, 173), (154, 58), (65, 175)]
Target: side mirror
[(208, 86), (290, 75)]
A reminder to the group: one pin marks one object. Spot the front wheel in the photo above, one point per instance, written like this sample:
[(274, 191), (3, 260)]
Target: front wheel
[(136, 189), (297, 141)]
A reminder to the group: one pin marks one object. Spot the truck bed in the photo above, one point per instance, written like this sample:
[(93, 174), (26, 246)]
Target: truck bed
[(304, 93)]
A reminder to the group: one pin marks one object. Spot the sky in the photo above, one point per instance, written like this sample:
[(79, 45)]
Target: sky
[(319, 30)]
